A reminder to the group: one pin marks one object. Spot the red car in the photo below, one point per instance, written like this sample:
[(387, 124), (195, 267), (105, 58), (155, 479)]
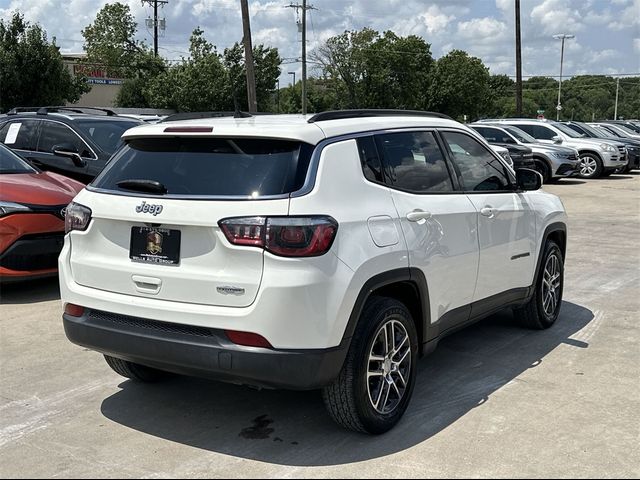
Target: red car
[(32, 206)]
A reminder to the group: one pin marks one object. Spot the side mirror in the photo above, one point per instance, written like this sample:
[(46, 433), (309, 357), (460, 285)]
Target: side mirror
[(557, 140), (69, 150), (528, 180)]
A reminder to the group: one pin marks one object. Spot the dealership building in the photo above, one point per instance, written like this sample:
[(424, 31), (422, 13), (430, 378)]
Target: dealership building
[(104, 88)]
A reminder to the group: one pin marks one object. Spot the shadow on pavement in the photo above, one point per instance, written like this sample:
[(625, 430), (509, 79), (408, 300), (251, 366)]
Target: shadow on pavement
[(292, 428), (30, 291), (569, 182)]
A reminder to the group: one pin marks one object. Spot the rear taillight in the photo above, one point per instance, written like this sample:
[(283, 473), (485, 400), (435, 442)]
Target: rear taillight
[(283, 236), (76, 217)]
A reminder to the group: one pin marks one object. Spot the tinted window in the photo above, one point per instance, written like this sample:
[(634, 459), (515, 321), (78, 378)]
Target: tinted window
[(494, 135), (369, 159), (211, 166), (53, 134), (538, 132), (106, 134), (477, 168), (12, 163), (19, 134), (576, 128), (568, 131), (414, 162), (521, 135)]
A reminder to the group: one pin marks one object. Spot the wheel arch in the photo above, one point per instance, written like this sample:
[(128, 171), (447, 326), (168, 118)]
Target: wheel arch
[(407, 285), (590, 152), (556, 232)]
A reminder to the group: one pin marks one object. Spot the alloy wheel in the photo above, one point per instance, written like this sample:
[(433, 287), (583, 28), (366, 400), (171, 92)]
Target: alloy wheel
[(389, 367), (551, 285), (588, 166)]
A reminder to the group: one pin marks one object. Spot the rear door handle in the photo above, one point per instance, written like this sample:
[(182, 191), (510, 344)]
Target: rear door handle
[(418, 215), (489, 212)]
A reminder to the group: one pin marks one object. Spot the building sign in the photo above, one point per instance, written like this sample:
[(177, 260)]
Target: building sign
[(96, 75), (105, 81)]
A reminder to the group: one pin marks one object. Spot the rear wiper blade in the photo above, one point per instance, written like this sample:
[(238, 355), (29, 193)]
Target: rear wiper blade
[(147, 186)]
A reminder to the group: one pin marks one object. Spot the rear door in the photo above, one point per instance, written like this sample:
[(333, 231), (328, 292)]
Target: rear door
[(505, 221), (170, 246), (438, 222)]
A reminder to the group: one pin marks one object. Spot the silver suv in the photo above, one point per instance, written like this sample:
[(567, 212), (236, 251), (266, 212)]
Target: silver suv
[(552, 161), (597, 157)]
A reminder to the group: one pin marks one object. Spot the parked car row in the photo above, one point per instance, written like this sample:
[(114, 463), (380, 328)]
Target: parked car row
[(598, 151)]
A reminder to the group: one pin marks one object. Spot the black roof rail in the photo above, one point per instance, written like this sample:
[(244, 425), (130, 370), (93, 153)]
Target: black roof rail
[(343, 114), (75, 109), (196, 115), (17, 110), (62, 108)]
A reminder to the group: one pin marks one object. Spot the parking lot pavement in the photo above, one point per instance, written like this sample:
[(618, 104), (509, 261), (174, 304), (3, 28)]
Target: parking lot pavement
[(493, 400)]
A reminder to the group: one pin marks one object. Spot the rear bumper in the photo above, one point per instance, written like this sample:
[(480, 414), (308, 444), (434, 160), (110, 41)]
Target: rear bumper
[(202, 352)]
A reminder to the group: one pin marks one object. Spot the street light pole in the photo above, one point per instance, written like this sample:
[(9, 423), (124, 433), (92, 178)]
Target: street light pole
[(563, 37), (294, 77), (615, 112)]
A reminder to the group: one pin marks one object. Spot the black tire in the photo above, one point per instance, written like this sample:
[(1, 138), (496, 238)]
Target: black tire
[(136, 372), (349, 400), (545, 171), (590, 166), (536, 313)]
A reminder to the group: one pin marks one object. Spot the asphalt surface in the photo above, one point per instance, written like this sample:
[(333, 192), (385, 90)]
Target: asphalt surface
[(494, 400)]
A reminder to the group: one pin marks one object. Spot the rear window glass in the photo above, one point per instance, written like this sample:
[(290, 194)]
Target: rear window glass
[(211, 166)]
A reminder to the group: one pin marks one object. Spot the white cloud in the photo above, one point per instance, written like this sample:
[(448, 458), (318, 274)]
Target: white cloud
[(557, 16), (636, 44)]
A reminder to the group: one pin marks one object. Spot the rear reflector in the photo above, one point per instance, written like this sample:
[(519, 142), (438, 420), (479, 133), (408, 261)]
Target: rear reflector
[(188, 130), (73, 310), (246, 339)]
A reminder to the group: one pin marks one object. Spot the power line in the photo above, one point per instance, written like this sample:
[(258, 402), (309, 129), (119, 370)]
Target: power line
[(304, 7)]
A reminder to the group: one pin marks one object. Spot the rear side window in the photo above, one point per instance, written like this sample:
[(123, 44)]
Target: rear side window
[(538, 132), (414, 162), (370, 160), (20, 135), (211, 166)]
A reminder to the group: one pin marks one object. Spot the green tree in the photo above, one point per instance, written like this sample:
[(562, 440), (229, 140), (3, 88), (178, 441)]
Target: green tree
[(32, 71), (377, 71), (110, 42), (199, 83), (460, 85), (267, 70)]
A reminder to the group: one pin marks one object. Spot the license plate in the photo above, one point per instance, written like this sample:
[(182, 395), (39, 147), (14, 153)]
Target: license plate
[(155, 245)]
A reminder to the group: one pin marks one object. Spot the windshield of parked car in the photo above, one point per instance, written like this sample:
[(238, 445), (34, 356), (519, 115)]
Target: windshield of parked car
[(595, 133), (520, 135), (626, 130), (12, 163), (568, 131), (609, 132), (106, 133), (239, 167)]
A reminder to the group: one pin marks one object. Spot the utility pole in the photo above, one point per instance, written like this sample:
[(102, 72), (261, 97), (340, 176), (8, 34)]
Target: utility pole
[(563, 37), (155, 4), (248, 58), (518, 62), (615, 112), (304, 7)]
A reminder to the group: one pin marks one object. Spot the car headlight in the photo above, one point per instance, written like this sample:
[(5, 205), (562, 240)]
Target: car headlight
[(608, 148), (77, 217), (7, 208), (507, 158)]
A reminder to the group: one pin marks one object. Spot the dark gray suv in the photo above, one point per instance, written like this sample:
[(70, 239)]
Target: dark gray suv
[(64, 140)]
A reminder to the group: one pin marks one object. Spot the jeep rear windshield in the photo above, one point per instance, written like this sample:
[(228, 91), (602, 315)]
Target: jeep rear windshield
[(238, 167)]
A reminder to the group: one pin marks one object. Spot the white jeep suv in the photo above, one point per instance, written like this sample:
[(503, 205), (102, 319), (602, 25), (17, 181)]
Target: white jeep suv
[(305, 252)]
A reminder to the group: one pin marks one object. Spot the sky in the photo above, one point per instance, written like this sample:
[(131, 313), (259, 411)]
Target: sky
[(607, 32)]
